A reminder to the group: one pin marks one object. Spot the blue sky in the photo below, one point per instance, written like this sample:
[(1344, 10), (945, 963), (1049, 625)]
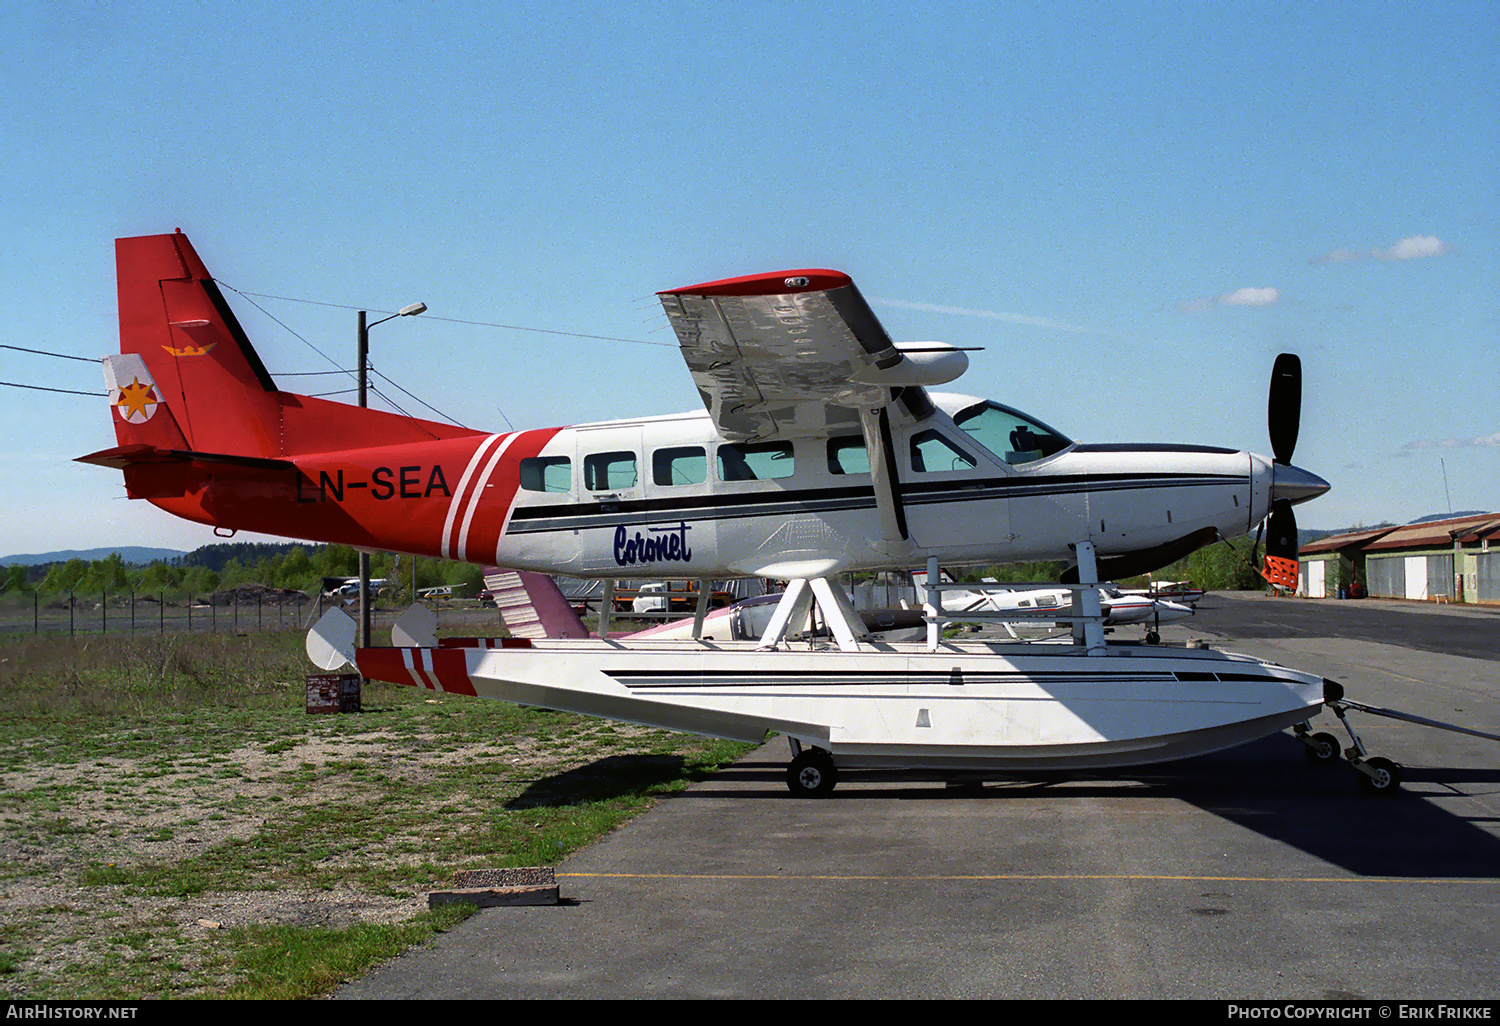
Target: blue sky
[(1133, 208)]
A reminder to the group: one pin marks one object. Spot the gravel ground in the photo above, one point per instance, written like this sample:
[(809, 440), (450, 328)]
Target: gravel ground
[(61, 821)]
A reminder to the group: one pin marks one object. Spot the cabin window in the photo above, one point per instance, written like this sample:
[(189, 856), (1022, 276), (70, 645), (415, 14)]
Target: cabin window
[(848, 455), (756, 461), (604, 471), (1008, 434), (932, 453), (547, 474), (687, 465)]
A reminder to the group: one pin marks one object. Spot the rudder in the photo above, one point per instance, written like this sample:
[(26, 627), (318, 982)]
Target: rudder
[(174, 319)]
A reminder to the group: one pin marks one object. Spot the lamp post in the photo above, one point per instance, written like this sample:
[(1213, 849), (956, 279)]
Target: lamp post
[(364, 557)]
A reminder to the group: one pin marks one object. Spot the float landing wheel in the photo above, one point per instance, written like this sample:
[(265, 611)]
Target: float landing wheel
[(812, 774), (1383, 776), (1322, 749)]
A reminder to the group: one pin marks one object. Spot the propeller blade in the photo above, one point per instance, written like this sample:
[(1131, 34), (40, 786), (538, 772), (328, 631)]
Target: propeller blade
[(1284, 406), (1281, 545)]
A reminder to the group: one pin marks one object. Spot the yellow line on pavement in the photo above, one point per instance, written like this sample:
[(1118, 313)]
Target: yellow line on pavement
[(1019, 877)]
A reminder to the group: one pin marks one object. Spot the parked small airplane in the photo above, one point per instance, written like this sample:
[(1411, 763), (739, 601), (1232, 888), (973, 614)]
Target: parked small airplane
[(1172, 591), (531, 605), (820, 451), (1117, 607), (348, 587), (1040, 603)]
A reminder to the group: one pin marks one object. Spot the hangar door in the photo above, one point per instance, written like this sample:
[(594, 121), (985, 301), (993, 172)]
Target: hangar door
[(1439, 576), (1413, 577), (1489, 576), (1385, 576), (1313, 577)]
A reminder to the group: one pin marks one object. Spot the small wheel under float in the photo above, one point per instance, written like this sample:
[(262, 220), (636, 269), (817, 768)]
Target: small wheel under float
[(1379, 776), (812, 774), (1321, 749)]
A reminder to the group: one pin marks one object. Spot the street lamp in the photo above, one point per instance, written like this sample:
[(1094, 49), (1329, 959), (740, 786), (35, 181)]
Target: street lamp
[(364, 357)]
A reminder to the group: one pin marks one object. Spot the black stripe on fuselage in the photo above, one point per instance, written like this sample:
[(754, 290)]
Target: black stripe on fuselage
[(672, 680), (786, 502)]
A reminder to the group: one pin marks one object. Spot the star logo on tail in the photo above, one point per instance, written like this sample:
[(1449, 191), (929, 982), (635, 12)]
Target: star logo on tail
[(136, 402)]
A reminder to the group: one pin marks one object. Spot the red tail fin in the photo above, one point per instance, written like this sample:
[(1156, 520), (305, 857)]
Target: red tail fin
[(173, 316), (207, 375)]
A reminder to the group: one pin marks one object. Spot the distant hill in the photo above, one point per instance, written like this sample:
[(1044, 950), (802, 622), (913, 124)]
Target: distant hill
[(133, 555), (1450, 516), (215, 556)]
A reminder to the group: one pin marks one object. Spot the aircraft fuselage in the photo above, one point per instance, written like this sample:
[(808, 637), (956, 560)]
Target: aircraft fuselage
[(669, 497)]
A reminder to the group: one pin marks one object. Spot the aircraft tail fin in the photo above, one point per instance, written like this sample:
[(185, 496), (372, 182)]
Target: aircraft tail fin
[(182, 342), (532, 606), (206, 376)]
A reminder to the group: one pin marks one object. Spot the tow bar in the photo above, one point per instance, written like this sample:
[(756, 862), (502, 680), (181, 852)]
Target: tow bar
[(1377, 775)]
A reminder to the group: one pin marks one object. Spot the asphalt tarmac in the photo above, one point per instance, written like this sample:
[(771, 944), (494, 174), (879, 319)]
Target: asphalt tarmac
[(1248, 874)]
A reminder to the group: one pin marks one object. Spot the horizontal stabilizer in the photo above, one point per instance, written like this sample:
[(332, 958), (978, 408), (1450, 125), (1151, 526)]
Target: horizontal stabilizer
[(138, 454)]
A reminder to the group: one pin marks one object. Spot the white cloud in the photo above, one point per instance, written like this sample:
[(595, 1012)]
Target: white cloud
[(1239, 297), (1482, 442), (1337, 256), (994, 315), (1413, 247), (1250, 297)]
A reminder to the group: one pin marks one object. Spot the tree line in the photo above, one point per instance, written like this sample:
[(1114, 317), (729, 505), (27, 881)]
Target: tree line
[(222, 567), (1224, 566)]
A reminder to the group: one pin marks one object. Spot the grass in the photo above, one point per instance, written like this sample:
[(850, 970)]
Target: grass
[(155, 784)]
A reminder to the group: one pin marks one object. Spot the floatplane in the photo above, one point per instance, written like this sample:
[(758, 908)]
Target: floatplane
[(823, 447)]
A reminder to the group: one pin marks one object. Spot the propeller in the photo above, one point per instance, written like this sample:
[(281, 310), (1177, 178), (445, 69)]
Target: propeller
[(1284, 407), (1283, 418)]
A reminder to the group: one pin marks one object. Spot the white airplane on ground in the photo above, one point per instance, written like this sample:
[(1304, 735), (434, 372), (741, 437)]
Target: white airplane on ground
[(1172, 591), (1044, 604), (820, 450), (531, 605), (348, 587), (1041, 604)]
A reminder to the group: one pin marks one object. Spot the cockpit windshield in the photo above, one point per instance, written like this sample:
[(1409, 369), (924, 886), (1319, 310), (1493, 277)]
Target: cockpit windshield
[(1011, 436)]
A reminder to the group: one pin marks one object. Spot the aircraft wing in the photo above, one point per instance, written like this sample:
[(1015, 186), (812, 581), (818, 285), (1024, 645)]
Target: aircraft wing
[(794, 353)]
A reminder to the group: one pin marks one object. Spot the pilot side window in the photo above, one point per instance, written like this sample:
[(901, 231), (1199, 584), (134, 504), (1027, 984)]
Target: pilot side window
[(1007, 434), (756, 461), (848, 455), (681, 466), (932, 453), (547, 474), (604, 471)]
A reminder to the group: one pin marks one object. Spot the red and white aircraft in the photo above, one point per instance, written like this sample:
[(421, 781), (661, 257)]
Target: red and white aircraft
[(820, 450)]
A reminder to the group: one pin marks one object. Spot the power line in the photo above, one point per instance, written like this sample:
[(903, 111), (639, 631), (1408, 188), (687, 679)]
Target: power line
[(456, 320), (414, 398), (43, 352), (41, 388), (325, 356)]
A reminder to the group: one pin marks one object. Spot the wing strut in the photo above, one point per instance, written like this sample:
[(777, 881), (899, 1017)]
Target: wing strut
[(1088, 623), (876, 424), (838, 612)]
